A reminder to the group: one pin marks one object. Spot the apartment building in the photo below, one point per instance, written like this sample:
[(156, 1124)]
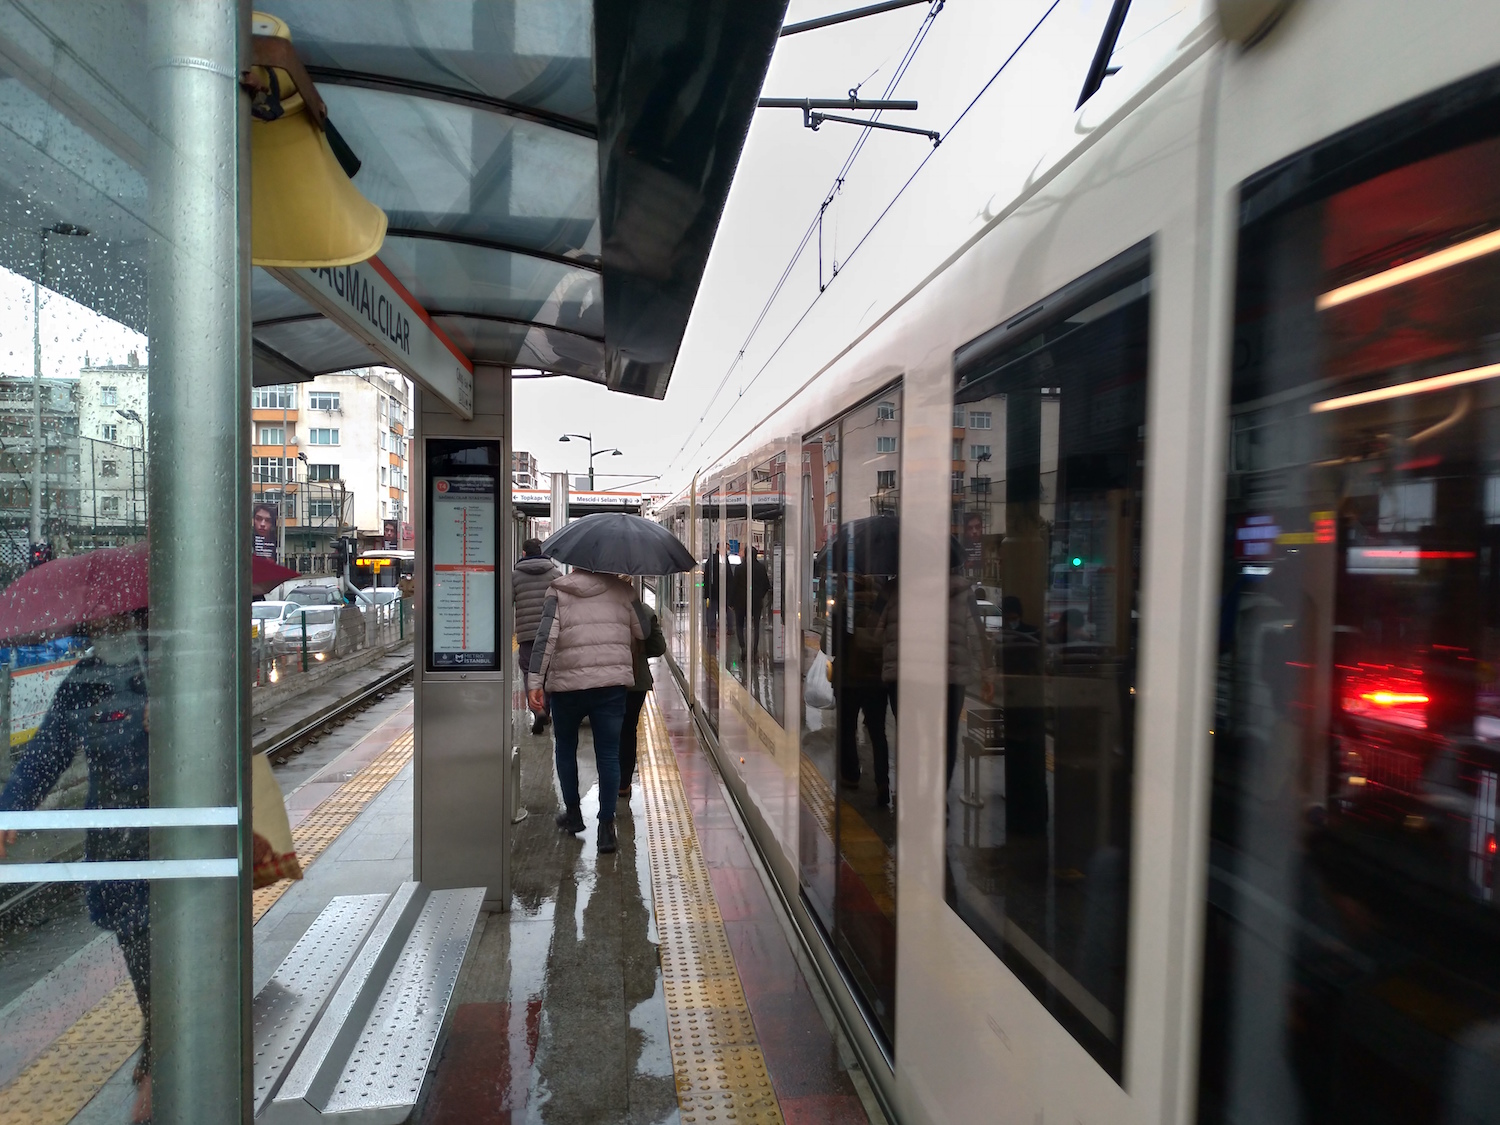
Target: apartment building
[(331, 456), (113, 443), (524, 472)]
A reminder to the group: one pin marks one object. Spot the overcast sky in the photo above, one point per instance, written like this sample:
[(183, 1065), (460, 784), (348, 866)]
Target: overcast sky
[(785, 173)]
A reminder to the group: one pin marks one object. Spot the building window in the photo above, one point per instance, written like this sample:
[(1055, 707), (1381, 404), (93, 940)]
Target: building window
[(384, 475), (320, 509), (272, 435), (885, 479), (268, 470), (322, 400), (109, 468), (885, 445), (322, 472), (885, 411), (109, 396), (980, 485), (109, 505), (979, 453), (979, 419), (322, 436), (274, 398), (958, 482), (958, 450), (958, 417), (109, 432)]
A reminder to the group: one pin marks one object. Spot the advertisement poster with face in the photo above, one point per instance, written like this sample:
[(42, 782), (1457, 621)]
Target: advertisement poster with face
[(263, 517)]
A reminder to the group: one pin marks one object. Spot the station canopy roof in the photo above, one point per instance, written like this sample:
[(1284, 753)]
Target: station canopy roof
[(553, 170)]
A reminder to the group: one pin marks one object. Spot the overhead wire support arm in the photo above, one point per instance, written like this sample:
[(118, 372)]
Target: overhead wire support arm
[(807, 105), (813, 120), (852, 14)]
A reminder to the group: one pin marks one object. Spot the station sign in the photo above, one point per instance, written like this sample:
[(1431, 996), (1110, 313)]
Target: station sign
[(591, 499), (368, 302)]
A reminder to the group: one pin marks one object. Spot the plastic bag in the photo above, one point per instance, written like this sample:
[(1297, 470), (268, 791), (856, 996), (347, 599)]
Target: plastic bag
[(817, 688), (275, 855)]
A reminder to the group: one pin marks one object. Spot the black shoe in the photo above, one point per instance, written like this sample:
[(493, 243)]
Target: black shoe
[(538, 724), (882, 798), (624, 793), (571, 819), (606, 837)]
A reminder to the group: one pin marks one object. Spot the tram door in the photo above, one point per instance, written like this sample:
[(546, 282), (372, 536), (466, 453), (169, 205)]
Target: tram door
[(846, 819)]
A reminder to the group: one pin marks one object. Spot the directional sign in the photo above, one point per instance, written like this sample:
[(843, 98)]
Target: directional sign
[(368, 302)]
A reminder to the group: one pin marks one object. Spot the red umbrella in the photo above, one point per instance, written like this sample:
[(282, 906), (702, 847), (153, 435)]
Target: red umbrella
[(56, 597), (264, 574)]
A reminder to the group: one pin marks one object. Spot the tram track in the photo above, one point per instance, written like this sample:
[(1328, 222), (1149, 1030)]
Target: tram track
[(315, 726)]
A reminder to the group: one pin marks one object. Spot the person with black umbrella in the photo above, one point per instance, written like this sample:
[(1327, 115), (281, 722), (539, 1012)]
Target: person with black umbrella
[(582, 656)]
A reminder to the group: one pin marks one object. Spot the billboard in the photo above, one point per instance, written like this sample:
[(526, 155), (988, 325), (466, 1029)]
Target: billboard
[(263, 520)]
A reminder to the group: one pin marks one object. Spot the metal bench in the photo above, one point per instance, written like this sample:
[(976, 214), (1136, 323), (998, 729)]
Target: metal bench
[(345, 1029)]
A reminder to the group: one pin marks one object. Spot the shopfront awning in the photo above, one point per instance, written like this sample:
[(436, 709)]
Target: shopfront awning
[(553, 172)]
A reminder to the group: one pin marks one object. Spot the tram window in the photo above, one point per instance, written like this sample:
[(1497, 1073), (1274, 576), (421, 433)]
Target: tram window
[(846, 819), (737, 580), (1350, 968), (1044, 561), (712, 550), (766, 565)]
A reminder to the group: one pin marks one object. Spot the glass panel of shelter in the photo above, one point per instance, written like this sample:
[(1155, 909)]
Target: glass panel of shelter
[(1049, 456), (847, 827)]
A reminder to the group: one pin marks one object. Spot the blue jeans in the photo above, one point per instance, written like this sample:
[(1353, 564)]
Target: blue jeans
[(605, 707)]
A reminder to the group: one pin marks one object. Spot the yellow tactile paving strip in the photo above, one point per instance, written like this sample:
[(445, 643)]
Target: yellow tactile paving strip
[(721, 1074), (77, 1064)]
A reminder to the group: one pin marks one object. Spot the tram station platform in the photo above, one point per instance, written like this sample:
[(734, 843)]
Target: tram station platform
[(657, 984)]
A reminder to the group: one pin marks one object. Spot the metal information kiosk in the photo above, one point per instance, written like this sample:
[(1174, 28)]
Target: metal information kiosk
[(463, 692)]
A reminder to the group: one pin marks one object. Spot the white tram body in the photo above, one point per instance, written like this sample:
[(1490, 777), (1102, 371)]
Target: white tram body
[(1251, 540)]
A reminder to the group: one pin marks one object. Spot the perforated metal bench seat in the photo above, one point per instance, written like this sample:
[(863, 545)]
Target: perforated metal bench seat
[(345, 1029)]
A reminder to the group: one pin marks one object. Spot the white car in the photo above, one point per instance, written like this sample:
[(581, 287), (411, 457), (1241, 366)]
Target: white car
[(322, 627), (271, 616), (377, 595)]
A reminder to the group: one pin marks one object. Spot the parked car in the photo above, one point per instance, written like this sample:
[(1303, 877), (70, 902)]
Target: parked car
[(316, 595), (321, 624), (271, 616), (351, 613)]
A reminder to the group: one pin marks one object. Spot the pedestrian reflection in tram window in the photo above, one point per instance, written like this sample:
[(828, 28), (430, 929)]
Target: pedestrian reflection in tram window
[(847, 827), (1046, 532)]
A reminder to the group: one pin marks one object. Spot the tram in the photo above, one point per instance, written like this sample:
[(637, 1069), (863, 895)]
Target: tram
[(1101, 635)]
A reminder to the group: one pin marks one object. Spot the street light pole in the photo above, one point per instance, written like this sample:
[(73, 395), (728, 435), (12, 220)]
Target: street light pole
[(590, 439)]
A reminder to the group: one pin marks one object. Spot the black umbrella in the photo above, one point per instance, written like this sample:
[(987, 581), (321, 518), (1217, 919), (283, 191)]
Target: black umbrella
[(866, 546), (616, 543)]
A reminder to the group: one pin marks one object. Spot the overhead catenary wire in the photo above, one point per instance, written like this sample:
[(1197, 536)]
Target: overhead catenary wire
[(815, 225), (863, 238)]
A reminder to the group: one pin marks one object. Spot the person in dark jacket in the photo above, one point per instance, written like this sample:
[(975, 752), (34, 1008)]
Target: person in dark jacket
[(528, 590), (641, 652), (101, 709)]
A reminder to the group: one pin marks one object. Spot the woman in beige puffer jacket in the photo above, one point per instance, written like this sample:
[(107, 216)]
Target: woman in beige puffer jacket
[(582, 657)]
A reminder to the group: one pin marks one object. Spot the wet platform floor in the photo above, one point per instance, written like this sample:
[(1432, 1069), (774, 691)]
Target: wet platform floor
[(562, 1015)]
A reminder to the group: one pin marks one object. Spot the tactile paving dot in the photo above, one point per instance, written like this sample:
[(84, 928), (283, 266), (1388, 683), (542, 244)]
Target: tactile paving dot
[(716, 1058)]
